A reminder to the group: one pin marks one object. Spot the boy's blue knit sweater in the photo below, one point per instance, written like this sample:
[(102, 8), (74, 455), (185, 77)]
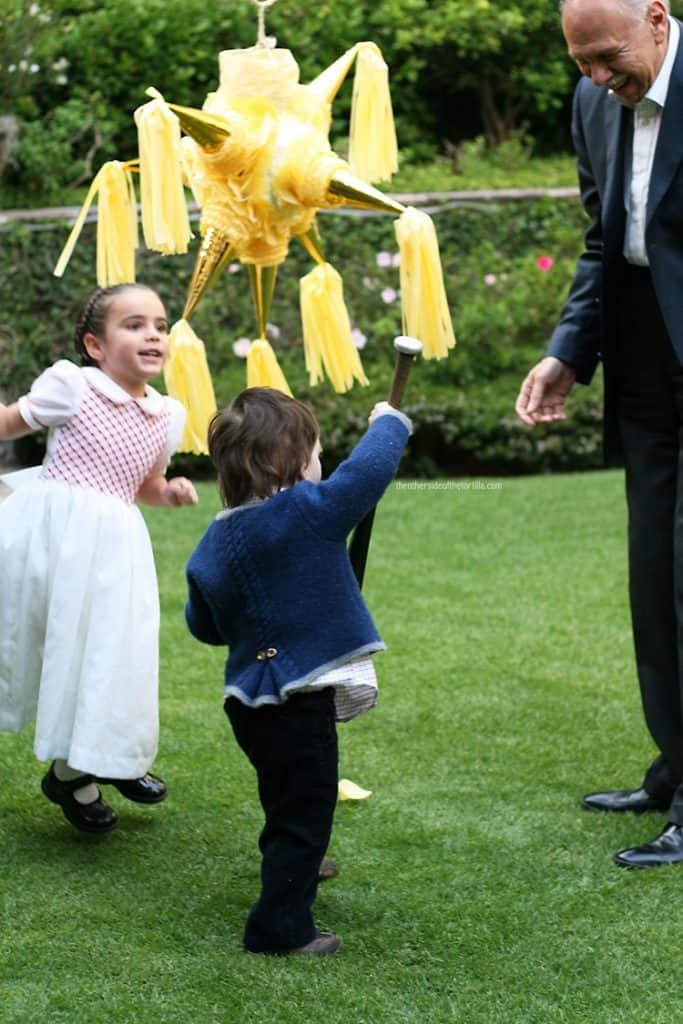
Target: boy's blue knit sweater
[(274, 582)]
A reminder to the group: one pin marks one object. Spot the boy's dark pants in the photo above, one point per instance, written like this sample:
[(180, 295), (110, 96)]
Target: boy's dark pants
[(293, 747)]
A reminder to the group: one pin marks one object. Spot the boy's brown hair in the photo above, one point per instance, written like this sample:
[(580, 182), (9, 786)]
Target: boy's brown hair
[(260, 443)]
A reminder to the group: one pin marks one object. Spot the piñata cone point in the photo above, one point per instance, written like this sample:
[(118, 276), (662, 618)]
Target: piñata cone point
[(356, 192), (213, 253), (208, 130)]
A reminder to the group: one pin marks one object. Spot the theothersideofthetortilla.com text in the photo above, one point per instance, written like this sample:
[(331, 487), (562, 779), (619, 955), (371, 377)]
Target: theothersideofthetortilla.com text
[(449, 485)]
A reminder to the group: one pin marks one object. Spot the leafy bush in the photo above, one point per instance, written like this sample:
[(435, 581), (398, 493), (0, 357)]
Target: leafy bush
[(507, 269), (72, 73)]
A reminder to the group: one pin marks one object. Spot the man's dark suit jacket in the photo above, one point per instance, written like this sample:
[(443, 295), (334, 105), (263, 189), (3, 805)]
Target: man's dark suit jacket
[(586, 331)]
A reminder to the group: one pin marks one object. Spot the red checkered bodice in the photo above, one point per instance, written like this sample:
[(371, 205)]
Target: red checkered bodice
[(109, 446)]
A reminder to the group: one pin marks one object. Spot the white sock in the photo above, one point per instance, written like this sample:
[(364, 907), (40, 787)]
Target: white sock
[(65, 773)]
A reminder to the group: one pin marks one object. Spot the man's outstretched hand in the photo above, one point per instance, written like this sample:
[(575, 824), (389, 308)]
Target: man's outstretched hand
[(544, 389)]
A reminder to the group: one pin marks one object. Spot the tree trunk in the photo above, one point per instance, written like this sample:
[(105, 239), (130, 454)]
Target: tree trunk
[(498, 119)]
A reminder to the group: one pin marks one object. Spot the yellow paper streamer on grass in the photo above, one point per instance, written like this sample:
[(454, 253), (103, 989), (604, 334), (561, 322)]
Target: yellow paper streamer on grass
[(373, 150), (350, 791), (263, 369), (327, 330), (423, 296), (165, 221), (187, 378), (117, 225)]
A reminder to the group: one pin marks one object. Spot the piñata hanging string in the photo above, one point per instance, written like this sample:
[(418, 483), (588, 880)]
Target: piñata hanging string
[(262, 39)]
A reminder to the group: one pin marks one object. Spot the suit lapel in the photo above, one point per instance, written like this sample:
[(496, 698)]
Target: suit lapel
[(669, 151)]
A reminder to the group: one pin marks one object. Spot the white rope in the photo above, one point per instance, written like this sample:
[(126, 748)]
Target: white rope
[(262, 6)]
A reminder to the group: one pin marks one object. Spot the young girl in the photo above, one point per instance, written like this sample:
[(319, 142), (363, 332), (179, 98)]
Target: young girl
[(79, 614), (271, 578)]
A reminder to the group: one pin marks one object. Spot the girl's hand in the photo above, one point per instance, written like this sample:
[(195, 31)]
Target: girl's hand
[(180, 491), (12, 424)]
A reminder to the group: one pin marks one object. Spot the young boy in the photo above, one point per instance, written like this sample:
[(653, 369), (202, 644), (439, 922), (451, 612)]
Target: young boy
[(271, 579)]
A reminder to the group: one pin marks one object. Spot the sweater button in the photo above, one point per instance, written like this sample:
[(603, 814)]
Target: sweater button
[(261, 655), (271, 652)]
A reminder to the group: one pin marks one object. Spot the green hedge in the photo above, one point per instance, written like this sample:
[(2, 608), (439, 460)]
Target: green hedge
[(504, 307)]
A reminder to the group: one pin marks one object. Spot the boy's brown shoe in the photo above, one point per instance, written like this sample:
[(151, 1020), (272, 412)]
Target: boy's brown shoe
[(328, 869), (323, 944)]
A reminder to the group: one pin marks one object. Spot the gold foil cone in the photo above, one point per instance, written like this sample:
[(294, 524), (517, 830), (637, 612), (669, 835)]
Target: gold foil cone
[(208, 130), (329, 81), (214, 252), (262, 282), (355, 192)]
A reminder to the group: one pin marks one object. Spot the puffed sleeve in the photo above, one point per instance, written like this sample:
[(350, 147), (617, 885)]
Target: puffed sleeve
[(176, 425), (54, 396)]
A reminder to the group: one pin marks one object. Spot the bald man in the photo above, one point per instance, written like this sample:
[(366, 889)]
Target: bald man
[(625, 310)]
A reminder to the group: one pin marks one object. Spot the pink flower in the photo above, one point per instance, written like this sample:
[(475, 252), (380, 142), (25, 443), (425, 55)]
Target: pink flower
[(234, 268), (273, 331), (358, 338), (544, 263), (241, 347), (396, 259), (383, 259), (490, 279), (388, 295)]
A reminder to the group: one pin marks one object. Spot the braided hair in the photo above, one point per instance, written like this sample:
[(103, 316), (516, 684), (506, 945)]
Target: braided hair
[(94, 317)]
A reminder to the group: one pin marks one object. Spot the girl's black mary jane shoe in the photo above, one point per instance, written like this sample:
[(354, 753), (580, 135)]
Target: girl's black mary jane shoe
[(146, 790), (95, 817)]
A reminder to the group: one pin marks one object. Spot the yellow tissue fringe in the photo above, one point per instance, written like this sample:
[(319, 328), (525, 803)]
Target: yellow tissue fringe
[(188, 379), (117, 226), (165, 222), (373, 150), (263, 369), (327, 330), (423, 296)]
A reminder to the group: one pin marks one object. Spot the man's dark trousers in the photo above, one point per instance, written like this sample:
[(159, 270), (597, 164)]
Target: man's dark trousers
[(649, 393)]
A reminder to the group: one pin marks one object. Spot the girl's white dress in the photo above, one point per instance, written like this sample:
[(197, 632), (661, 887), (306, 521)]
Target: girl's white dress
[(79, 607)]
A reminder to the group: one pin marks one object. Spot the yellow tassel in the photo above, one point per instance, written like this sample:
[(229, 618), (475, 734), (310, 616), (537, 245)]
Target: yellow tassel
[(117, 225), (373, 151), (187, 378), (423, 296), (263, 369), (165, 221), (327, 330)]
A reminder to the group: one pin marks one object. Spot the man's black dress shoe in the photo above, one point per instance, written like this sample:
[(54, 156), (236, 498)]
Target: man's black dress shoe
[(636, 800), (667, 848), (95, 817), (147, 790)]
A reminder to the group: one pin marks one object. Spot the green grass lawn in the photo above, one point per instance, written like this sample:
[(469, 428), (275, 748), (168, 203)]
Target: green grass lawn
[(472, 889)]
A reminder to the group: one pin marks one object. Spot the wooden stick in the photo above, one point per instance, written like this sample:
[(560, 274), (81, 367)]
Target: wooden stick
[(406, 351)]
